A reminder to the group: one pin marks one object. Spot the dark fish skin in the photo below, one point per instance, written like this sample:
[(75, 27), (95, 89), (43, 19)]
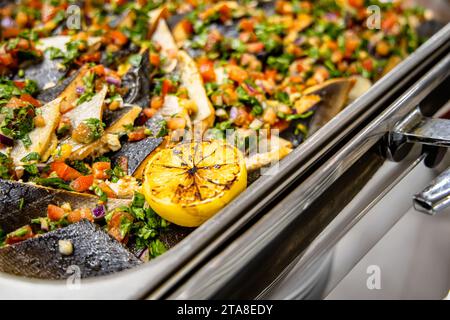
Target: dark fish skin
[(45, 71), (109, 117), (35, 201), (137, 80), (95, 253), (137, 152), (52, 93)]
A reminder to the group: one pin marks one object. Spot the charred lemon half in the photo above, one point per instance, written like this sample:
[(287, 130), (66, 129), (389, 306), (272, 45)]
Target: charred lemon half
[(189, 183)]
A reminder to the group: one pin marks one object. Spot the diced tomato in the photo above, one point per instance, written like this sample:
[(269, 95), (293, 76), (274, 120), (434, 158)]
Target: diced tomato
[(10, 32), (237, 74), (167, 87), (114, 225), (281, 125), (20, 234), (107, 190), (90, 57), (176, 123), (351, 44), (16, 103), (367, 64), (100, 169), (150, 112), (79, 214), (20, 84), (224, 13), (270, 74), (356, 3), (206, 68), (55, 213), (118, 37), (99, 70), (137, 135), (82, 183), (389, 21), (64, 171), (155, 59), (187, 26), (247, 25), (6, 59), (255, 47), (28, 98), (157, 102)]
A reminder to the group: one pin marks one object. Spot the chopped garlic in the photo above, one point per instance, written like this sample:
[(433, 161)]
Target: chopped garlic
[(124, 187), (65, 247), (113, 141)]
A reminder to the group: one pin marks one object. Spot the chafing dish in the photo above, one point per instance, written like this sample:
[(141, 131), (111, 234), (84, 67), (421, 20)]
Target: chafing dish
[(304, 175)]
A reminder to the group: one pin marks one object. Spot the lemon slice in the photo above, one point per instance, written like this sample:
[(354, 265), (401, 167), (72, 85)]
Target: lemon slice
[(189, 183)]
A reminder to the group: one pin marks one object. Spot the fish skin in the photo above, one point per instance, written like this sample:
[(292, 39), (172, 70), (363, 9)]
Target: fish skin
[(137, 152), (52, 93), (44, 72), (334, 94), (94, 252), (137, 79), (36, 199)]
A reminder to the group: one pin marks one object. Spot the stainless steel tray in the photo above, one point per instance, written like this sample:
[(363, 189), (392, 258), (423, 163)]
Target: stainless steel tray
[(308, 222), (159, 276)]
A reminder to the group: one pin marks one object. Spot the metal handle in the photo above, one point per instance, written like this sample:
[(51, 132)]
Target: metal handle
[(415, 128), (436, 197)]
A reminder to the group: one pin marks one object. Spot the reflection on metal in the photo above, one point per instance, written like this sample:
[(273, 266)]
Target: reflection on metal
[(415, 128), (418, 129), (436, 197)]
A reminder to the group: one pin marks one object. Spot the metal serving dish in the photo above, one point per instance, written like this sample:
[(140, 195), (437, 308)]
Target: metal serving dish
[(161, 275), (304, 227)]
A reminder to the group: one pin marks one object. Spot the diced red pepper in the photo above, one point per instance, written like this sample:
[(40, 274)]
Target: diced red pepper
[(64, 171), (55, 213), (137, 135), (255, 47), (155, 59), (167, 87), (15, 102), (107, 190), (114, 225), (237, 74), (6, 59), (28, 98), (118, 37), (100, 170), (79, 214), (82, 183), (206, 68), (20, 234)]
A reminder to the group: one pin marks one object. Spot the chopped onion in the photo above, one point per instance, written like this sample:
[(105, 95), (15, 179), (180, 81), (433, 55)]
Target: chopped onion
[(145, 255), (112, 80), (99, 212), (233, 113), (7, 141), (250, 88), (7, 22), (80, 90)]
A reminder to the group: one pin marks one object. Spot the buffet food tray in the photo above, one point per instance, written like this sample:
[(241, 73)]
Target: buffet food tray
[(306, 168)]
